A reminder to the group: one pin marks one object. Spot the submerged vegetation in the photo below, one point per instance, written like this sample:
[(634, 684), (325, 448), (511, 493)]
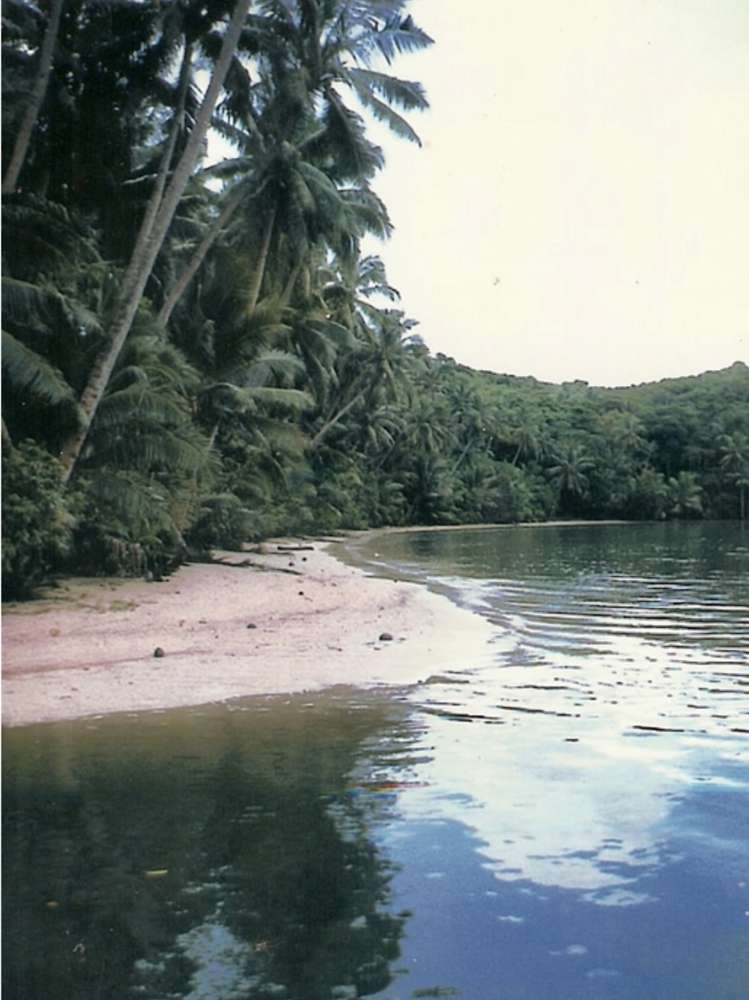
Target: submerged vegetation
[(196, 349)]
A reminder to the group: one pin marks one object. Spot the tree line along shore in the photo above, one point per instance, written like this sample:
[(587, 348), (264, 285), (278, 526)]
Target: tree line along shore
[(197, 352)]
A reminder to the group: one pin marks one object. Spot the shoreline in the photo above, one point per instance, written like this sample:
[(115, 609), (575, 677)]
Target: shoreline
[(273, 622)]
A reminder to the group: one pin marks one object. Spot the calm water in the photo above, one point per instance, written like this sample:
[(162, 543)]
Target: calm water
[(567, 819)]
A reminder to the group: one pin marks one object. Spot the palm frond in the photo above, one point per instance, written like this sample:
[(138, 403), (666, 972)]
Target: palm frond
[(30, 374), (139, 506), (290, 400), (41, 309), (400, 36), (128, 411), (272, 365), (406, 94), (357, 157), (280, 436), (384, 113), (367, 211)]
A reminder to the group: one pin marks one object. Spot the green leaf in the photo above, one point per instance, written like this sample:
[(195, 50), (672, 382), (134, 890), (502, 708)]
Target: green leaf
[(30, 374)]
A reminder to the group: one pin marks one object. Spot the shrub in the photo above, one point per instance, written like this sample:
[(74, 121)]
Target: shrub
[(223, 522), (37, 520), (127, 526)]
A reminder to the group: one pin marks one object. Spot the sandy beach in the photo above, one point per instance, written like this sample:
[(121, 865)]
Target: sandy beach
[(291, 621)]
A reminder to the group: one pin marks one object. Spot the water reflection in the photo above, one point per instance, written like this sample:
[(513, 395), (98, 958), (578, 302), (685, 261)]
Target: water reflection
[(569, 786), (598, 766), (205, 854)]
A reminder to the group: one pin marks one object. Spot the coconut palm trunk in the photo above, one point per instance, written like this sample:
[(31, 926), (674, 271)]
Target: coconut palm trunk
[(7, 439), (149, 245), (461, 457), (36, 99), (291, 283), (182, 283), (334, 420), (257, 278), (162, 175)]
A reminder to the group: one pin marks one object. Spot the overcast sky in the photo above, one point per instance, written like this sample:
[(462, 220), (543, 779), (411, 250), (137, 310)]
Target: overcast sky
[(580, 206)]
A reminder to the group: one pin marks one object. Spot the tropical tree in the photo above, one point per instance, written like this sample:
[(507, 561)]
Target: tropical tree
[(373, 373), (685, 495), (569, 473), (734, 462), (336, 43), (168, 188), (527, 437), (649, 495), (35, 98)]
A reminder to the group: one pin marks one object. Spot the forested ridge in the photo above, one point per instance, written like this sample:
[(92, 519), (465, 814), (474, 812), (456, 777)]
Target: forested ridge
[(197, 351)]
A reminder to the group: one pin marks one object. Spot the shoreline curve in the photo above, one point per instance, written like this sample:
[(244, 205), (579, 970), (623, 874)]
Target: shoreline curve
[(282, 621)]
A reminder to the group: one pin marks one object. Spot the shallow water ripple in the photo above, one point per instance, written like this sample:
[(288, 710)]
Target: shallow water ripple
[(598, 765)]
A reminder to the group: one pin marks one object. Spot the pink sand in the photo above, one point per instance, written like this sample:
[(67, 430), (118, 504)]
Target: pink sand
[(87, 647)]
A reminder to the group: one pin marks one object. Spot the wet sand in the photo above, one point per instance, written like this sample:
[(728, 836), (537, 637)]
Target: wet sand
[(289, 622)]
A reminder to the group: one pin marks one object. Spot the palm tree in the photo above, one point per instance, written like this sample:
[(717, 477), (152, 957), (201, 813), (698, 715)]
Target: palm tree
[(375, 371), (569, 472), (158, 217), (246, 375), (35, 99), (283, 147), (470, 426), (685, 495), (336, 42), (529, 442), (53, 287), (735, 462)]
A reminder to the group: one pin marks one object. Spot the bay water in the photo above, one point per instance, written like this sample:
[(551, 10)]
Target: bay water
[(563, 818)]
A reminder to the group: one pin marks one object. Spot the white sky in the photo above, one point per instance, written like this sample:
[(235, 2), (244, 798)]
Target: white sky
[(580, 208)]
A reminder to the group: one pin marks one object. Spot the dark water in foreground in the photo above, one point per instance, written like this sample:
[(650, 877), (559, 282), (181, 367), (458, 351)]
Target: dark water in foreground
[(566, 820)]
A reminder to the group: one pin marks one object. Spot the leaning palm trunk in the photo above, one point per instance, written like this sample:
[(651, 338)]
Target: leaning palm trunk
[(291, 283), (36, 99), (157, 194), (7, 439), (181, 284), (150, 242), (330, 424), (461, 457), (257, 279)]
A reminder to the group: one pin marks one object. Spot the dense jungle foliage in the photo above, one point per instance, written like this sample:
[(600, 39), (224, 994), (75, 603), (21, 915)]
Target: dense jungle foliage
[(196, 351)]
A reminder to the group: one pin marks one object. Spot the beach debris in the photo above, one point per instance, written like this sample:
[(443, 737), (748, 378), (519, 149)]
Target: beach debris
[(52, 904), (251, 625), (295, 548), (386, 637), (159, 652), (156, 872)]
